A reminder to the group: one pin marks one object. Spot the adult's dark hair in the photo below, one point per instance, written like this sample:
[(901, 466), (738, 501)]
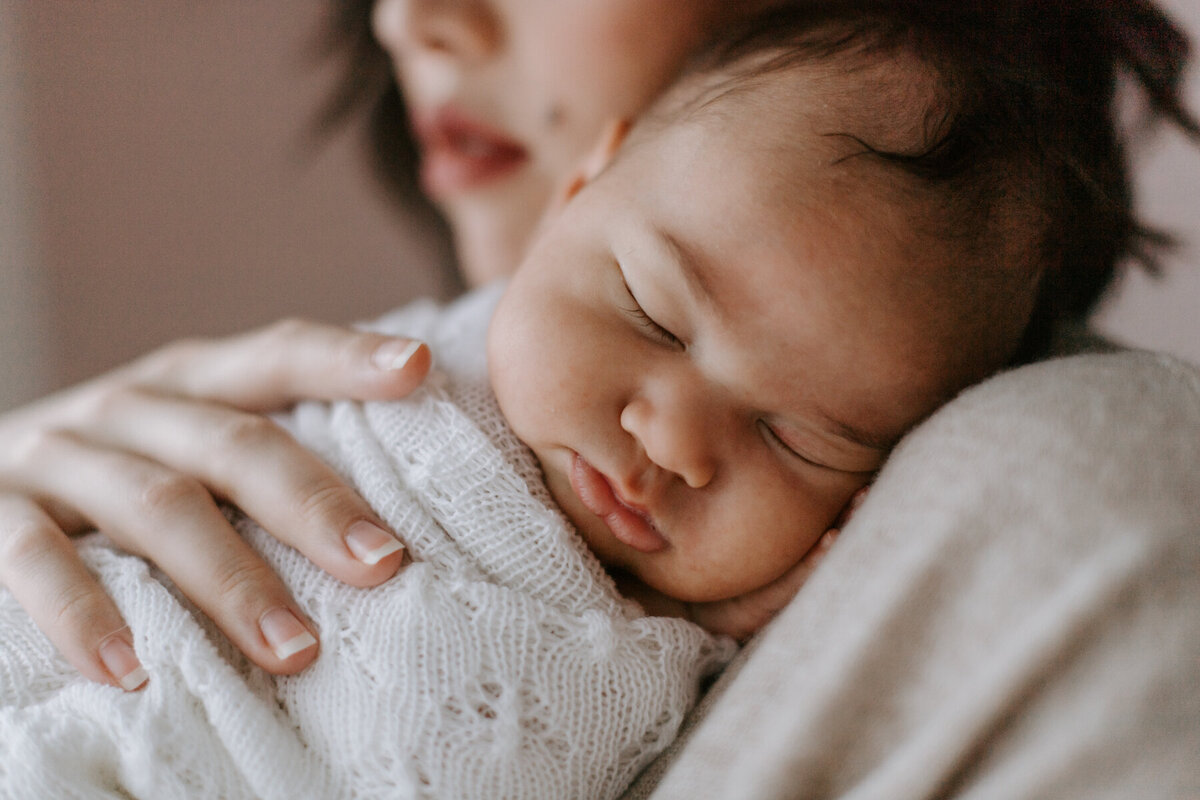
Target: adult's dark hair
[(367, 88)]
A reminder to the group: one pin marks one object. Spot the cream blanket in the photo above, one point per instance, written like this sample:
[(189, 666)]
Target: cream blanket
[(501, 664), (1013, 614)]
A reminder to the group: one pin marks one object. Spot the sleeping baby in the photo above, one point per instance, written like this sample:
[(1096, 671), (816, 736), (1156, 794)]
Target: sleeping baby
[(745, 299)]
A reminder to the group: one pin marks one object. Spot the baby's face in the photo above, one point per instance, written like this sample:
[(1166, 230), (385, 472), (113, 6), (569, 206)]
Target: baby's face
[(714, 345)]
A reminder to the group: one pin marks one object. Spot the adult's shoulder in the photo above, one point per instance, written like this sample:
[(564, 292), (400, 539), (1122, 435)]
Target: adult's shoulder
[(1010, 613)]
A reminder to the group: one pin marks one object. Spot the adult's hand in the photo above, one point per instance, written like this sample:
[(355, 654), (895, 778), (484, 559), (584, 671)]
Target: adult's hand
[(144, 453)]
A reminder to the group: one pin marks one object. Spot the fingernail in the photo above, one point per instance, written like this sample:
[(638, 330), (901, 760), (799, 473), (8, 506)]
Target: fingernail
[(285, 633), (394, 354), (370, 544), (122, 663)]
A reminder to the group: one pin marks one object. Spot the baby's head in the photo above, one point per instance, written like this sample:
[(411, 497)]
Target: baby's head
[(752, 294)]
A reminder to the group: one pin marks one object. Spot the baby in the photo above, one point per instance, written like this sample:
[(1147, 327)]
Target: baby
[(715, 344), (745, 300)]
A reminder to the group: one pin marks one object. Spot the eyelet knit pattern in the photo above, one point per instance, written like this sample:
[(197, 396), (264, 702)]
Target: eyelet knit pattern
[(502, 663)]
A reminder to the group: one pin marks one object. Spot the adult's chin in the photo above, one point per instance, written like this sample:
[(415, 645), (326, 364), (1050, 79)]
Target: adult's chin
[(494, 228)]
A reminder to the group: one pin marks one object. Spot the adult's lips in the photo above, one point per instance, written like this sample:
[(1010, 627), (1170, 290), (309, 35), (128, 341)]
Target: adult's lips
[(628, 524), (459, 153)]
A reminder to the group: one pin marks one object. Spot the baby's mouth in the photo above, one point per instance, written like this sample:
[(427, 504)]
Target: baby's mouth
[(628, 525)]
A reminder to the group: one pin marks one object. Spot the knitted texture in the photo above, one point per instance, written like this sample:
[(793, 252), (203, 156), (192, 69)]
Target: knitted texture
[(502, 663)]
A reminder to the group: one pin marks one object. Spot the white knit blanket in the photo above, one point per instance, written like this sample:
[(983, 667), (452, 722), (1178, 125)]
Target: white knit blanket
[(500, 664)]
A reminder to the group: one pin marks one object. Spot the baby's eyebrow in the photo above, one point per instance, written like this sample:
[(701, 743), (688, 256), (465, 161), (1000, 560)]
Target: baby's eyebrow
[(689, 266)]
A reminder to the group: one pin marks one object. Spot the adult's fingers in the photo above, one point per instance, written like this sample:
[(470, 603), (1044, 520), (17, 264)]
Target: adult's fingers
[(42, 569), (150, 510), (258, 466), (287, 361)]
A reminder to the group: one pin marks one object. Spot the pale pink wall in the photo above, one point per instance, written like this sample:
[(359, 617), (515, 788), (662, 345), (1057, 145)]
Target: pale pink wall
[(21, 298), (172, 195), (168, 197)]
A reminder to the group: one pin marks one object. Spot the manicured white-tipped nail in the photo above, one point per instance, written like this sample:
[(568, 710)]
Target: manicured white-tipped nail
[(285, 634), (394, 355), (370, 543), (134, 679), (294, 645), (122, 663), (373, 557)]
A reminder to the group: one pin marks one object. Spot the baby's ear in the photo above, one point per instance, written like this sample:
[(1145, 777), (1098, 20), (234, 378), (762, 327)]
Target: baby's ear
[(600, 156), (594, 162)]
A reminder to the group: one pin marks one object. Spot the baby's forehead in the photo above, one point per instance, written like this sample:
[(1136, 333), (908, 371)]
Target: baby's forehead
[(815, 127)]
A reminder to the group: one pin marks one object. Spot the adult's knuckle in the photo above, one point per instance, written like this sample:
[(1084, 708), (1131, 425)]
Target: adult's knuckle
[(23, 546), (105, 400), (76, 607), (240, 579), (248, 432), (167, 360), (35, 445), (164, 494), (273, 347), (285, 331), (327, 502)]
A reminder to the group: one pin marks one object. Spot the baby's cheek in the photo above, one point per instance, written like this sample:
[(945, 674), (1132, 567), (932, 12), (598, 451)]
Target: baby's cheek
[(785, 521), (513, 353)]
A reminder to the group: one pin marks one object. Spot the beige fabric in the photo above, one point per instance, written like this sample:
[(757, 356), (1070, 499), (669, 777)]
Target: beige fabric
[(1013, 613), (649, 778)]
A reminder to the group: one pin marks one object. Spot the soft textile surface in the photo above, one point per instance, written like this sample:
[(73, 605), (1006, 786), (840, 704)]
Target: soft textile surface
[(1014, 612), (501, 664)]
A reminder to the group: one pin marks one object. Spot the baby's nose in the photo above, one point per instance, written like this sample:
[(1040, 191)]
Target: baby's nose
[(675, 436)]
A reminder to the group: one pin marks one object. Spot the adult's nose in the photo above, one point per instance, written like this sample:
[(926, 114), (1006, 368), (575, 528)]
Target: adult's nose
[(467, 30)]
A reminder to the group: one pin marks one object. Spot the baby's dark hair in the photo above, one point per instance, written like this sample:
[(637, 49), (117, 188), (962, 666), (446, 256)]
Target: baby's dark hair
[(1032, 86), (1028, 88)]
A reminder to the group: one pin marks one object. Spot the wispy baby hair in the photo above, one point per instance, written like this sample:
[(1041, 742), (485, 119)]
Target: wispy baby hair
[(1031, 89)]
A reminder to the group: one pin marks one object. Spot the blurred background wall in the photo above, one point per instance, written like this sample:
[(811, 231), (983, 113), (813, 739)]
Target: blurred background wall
[(158, 182), (154, 184)]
